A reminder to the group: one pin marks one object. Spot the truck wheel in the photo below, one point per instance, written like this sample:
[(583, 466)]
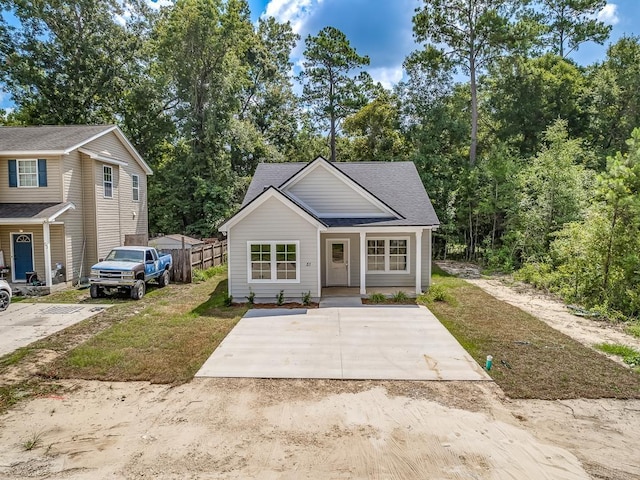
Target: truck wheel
[(163, 280), (95, 291), (5, 300), (137, 291)]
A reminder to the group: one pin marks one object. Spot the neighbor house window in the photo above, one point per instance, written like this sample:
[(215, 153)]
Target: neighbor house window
[(107, 181), (274, 261), (27, 173), (135, 182), (388, 255)]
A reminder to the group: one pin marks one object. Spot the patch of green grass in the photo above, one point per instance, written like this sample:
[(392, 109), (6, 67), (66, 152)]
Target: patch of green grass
[(630, 355), (160, 343), (399, 297), (377, 298), (204, 275), (32, 441), (12, 394), (530, 359), (633, 329), (14, 357)]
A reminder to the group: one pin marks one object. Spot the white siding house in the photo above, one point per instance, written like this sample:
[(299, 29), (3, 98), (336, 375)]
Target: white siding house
[(304, 227)]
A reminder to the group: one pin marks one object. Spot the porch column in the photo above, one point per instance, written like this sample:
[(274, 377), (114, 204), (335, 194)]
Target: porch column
[(363, 263), (419, 262), (47, 253)]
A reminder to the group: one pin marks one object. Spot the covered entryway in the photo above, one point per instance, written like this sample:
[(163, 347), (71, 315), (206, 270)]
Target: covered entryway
[(378, 343), (22, 255), (338, 263)]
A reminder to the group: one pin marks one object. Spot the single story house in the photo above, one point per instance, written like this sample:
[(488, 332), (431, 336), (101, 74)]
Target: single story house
[(306, 226)]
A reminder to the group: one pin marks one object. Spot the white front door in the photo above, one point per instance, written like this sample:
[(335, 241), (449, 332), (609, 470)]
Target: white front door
[(337, 263)]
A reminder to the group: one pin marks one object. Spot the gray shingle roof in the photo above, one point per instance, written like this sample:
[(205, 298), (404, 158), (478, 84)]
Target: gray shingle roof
[(47, 138), (30, 210), (395, 183)]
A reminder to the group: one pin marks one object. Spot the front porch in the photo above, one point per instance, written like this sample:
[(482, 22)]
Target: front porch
[(355, 291)]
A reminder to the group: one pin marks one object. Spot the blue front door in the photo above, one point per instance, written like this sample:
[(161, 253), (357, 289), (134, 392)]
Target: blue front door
[(22, 255)]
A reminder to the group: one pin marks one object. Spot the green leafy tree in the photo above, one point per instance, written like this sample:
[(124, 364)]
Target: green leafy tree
[(570, 23), (373, 132), (69, 62), (466, 36), (613, 96), (329, 85), (553, 190), (525, 95), (203, 45)]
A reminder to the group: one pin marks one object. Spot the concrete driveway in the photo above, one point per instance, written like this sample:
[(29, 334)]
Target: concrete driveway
[(377, 343), (23, 323)]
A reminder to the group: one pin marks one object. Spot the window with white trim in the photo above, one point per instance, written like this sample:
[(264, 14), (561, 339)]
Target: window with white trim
[(27, 173), (274, 261), (135, 183), (388, 255), (107, 181)]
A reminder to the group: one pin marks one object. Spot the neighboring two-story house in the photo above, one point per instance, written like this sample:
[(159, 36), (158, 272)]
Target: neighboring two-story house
[(68, 194)]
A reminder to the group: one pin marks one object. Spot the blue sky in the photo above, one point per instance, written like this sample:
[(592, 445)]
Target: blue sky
[(382, 29)]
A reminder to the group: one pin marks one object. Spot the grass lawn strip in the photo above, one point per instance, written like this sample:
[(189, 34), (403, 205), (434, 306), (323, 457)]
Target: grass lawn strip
[(164, 337), (166, 342), (530, 359)]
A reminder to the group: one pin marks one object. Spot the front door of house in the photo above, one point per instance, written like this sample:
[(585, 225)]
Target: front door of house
[(337, 263), (22, 255)]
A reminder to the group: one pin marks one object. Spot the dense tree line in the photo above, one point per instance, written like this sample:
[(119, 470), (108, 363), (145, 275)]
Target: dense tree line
[(531, 160)]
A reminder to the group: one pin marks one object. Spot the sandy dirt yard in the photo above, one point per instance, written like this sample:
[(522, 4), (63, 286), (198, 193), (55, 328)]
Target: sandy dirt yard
[(320, 429), (303, 429)]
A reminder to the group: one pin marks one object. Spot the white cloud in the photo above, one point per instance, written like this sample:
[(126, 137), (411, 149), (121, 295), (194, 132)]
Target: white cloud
[(295, 11), (609, 14), (156, 4), (387, 76)]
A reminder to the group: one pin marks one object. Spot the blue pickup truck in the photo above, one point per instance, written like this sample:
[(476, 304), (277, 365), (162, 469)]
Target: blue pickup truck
[(129, 269)]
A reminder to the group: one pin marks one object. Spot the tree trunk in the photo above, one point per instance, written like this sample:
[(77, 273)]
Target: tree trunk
[(332, 139)]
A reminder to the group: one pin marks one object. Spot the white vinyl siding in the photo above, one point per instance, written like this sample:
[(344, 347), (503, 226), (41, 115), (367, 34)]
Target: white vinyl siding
[(388, 255), (275, 223), (273, 261), (327, 194), (52, 193)]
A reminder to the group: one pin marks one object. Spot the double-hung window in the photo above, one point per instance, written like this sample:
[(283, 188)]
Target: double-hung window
[(388, 255), (107, 181), (135, 183), (27, 173), (275, 261)]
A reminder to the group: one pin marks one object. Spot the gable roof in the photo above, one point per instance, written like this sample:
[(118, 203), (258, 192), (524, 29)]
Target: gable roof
[(396, 184), (176, 237), (49, 140), (267, 193)]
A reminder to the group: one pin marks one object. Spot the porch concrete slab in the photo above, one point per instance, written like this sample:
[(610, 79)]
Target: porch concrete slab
[(328, 302), (24, 323), (369, 342)]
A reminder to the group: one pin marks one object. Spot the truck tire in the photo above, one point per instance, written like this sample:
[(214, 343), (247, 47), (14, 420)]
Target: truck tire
[(137, 291), (163, 280), (95, 291)]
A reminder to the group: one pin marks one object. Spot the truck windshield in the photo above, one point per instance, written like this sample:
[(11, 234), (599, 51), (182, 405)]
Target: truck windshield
[(126, 256)]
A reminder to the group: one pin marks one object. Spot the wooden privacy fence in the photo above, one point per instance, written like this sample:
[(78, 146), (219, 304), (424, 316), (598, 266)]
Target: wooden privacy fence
[(198, 258)]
